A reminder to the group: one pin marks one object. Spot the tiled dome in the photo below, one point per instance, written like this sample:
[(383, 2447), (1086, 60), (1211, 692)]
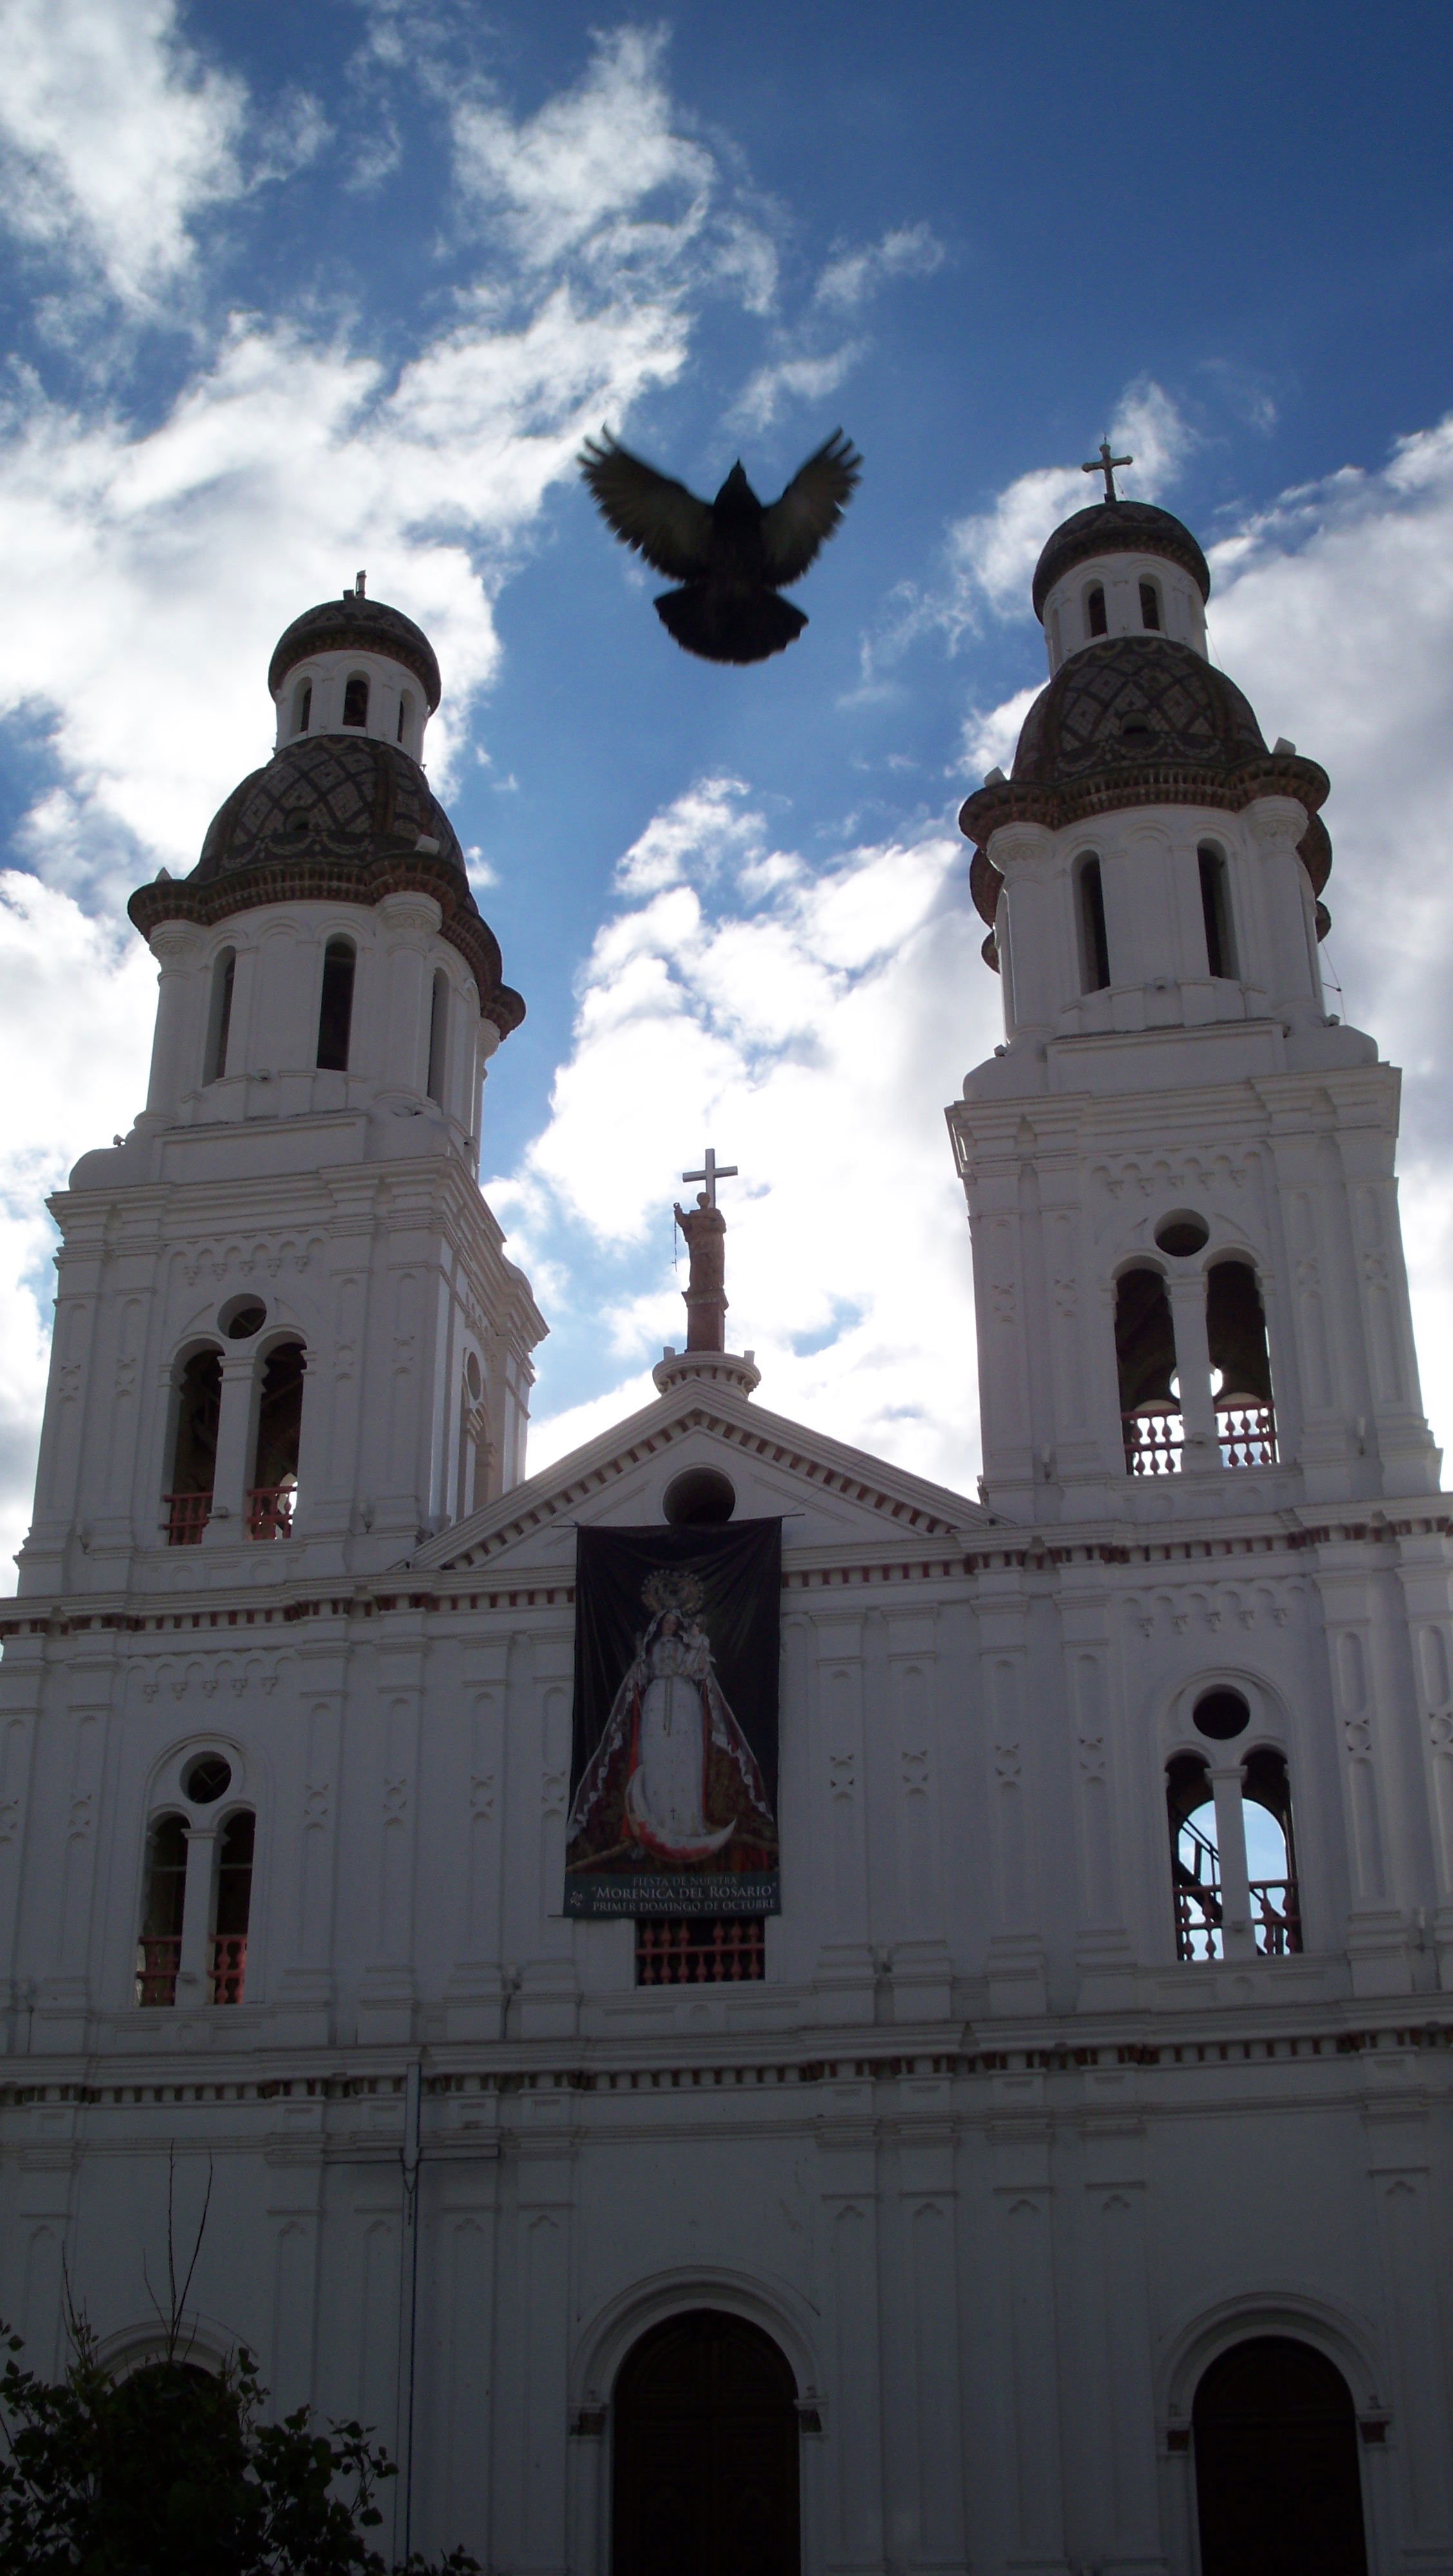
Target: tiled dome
[(335, 818), (339, 795), (1118, 528), (351, 624), (1135, 698)]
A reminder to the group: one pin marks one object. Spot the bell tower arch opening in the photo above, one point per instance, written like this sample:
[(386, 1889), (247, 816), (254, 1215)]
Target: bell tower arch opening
[(1278, 2487), (706, 2452)]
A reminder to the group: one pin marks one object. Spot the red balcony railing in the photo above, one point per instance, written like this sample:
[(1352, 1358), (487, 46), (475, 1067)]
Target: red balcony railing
[(187, 1517), (1155, 1438), (1276, 1917), (1247, 1433), (270, 1510), (229, 1966), (157, 1962), (700, 1950), (1153, 1441)]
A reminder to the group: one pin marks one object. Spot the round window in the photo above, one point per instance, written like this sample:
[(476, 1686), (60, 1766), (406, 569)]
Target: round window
[(241, 1317), (699, 1497), (1221, 1714), (206, 1780), (1182, 1233)]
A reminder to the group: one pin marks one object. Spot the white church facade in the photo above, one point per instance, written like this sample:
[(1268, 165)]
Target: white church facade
[(1059, 2178)]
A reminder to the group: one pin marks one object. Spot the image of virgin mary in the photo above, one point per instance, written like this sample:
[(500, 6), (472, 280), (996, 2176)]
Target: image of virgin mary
[(673, 1777)]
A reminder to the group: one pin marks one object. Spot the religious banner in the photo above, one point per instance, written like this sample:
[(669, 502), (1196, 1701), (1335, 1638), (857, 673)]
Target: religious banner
[(673, 1784)]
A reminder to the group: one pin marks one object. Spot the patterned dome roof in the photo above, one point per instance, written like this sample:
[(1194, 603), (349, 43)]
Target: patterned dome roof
[(1132, 699), (1139, 720), (1118, 528), (340, 795), (335, 817), (351, 624)]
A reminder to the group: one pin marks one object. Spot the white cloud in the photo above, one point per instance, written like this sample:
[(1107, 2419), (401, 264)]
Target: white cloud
[(791, 380), (79, 1001), (991, 734), (852, 276), (590, 173), (992, 555), (115, 137), (159, 567), (813, 1024)]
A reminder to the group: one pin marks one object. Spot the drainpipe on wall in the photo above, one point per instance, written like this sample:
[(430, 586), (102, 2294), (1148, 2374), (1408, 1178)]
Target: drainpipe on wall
[(408, 2301)]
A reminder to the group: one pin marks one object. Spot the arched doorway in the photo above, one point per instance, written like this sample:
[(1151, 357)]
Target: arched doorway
[(1277, 2485), (705, 2452)]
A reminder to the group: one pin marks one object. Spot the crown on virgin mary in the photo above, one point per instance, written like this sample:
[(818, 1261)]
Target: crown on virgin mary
[(672, 1588)]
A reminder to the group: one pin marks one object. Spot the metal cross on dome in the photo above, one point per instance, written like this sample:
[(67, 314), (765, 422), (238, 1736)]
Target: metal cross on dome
[(1105, 464), (712, 1173)]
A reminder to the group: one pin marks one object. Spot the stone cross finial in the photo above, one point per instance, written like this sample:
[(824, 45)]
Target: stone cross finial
[(712, 1174), (704, 1227), (1105, 464)]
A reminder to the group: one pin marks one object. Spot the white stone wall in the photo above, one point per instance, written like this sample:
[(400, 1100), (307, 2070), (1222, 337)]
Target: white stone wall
[(1066, 611)]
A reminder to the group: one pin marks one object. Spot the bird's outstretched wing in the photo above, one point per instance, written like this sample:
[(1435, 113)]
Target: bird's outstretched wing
[(809, 510), (647, 510)]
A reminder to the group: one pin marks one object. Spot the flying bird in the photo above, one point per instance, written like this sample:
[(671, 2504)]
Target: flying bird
[(732, 555)]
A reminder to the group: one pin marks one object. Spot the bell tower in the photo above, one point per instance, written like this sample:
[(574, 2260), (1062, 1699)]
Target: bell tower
[(284, 1313), (1179, 1166)]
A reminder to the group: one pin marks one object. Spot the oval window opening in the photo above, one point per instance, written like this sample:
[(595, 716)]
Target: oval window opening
[(1182, 1233), (241, 1317), (700, 1498), (1221, 1714), (207, 1780)]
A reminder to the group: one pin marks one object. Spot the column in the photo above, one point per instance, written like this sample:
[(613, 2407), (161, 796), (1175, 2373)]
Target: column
[(232, 1468), (410, 923), (1276, 824), (1237, 1933), (1201, 1454), (1040, 964), (194, 1983), (176, 946)]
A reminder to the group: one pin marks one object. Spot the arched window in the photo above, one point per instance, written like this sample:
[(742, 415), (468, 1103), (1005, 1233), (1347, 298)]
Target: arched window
[(163, 1903), (194, 1448), (1278, 2488), (1240, 1365), (1195, 1858), (1271, 1860), (1094, 938), (1145, 1357), (219, 1015), (406, 715), (1150, 607), (1216, 911), (1095, 618), (335, 1005), (1231, 1836), (233, 1906), (273, 1492), (355, 700), (302, 706), (438, 1034)]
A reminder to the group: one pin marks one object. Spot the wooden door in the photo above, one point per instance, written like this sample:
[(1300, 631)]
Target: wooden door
[(705, 2452), (1278, 2489)]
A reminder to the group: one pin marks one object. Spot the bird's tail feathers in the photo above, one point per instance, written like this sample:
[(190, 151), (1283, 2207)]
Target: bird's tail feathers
[(730, 629)]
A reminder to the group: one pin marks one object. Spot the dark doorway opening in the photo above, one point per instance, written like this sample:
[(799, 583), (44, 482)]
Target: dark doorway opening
[(706, 2453), (1277, 2484)]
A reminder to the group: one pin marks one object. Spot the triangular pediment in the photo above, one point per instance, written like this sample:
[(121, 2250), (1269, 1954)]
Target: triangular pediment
[(830, 1496)]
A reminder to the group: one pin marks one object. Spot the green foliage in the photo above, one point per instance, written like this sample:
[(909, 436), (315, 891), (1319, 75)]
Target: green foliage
[(174, 2470)]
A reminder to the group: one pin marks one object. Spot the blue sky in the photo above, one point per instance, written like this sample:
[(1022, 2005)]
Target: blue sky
[(293, 291)]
